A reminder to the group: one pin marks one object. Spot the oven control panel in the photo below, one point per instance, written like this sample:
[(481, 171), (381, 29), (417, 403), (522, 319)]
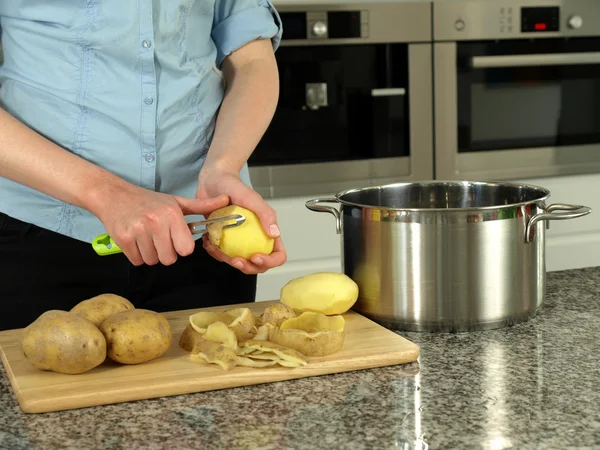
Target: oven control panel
[(325, 24), (511, 19), (539, 19), (506, 20)]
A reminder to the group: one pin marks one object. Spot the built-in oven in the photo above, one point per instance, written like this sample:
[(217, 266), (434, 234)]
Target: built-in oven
[(355, 105), (516, 87)]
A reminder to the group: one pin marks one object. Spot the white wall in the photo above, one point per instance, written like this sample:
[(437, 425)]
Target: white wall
[(313, 245)]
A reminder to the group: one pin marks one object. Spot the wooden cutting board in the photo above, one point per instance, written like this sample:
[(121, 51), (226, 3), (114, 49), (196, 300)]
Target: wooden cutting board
[(367, 345)]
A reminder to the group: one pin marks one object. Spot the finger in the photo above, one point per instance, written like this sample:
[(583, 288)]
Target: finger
[(147, 250), (131, 251), (247, 267), (201, 206), (164, 247), (182, 239), (213, 251), (277, 258), (267, 216), (241, 264)]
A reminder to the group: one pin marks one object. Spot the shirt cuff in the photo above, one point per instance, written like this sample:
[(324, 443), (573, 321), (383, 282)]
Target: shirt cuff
[(259, 22)]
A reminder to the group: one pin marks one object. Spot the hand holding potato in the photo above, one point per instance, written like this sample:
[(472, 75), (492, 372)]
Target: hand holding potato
[(212, 183)]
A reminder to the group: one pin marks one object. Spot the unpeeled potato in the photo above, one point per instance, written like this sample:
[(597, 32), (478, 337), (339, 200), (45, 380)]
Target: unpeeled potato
[(98, 308), (136, 336), (63, 342), (276, 313), (244, 240)]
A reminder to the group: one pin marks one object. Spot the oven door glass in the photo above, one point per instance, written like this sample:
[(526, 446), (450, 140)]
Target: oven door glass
[(527, 94), (336, 103)]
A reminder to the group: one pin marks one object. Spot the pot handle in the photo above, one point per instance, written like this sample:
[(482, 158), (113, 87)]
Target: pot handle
[(313, 206), (556, 211)]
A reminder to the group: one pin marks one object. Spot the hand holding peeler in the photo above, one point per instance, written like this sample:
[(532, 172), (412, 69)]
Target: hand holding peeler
[(104, 244)]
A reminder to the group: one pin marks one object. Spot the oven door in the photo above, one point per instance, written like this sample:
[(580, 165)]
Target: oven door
[(348, 115), (518, 108)]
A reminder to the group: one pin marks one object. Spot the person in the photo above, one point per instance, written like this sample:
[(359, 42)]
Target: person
[(130, 118)]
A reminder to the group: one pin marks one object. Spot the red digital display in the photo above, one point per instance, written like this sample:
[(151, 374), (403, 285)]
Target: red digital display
[(537, 19)]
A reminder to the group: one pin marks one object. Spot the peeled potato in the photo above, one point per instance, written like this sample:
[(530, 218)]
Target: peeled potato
[(312, 334), (329, 293), (244, 240)]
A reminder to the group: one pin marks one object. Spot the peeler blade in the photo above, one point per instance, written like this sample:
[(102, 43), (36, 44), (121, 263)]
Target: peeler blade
[(200, 227)]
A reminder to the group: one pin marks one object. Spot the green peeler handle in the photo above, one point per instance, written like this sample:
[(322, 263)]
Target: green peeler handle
[(104, 245)]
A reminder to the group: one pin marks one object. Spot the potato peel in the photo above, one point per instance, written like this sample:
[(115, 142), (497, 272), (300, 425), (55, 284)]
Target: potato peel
[(244, 351), (240, 320), (221, 333), (312, 322), (285, 353), (281, 336), (248, 362), (242, 323), (214, 353), (284, 363), (312, 334), (200, 321), (262, 333), (188, 338)]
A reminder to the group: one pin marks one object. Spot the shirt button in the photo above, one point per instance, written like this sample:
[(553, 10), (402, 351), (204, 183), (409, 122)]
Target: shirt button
[(147, 43), (150, 157), (148, 100)]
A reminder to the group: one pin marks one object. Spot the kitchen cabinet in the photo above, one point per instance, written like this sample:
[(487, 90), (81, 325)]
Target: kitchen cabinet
[(313, 245)]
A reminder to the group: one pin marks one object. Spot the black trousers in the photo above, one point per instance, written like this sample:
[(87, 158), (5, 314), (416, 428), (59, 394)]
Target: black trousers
[(42, 270)]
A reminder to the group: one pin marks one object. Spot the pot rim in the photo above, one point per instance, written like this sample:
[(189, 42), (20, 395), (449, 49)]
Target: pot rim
[(545, 194)]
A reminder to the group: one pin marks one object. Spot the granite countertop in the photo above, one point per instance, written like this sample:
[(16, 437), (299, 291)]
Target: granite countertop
[(532, 386)]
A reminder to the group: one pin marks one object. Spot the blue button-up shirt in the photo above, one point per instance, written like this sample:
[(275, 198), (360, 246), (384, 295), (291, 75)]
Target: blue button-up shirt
[(132, 86)]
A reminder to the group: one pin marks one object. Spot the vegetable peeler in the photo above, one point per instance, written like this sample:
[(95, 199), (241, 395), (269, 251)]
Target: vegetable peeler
[(104, 245)]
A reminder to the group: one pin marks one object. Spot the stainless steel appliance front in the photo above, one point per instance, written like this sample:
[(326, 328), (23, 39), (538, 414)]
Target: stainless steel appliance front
[(517, 88), (355, 105)]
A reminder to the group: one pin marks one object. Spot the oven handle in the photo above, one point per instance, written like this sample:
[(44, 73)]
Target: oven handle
[(388, 92), (544, 59)]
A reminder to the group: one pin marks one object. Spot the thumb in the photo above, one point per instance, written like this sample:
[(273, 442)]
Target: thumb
[(201, 206)]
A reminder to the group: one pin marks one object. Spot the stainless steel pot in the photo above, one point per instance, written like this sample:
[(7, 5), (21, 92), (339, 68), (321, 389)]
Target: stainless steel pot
[(446, 256)]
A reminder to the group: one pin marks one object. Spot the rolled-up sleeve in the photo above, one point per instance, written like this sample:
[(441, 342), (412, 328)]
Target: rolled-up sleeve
[(238, 22)]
